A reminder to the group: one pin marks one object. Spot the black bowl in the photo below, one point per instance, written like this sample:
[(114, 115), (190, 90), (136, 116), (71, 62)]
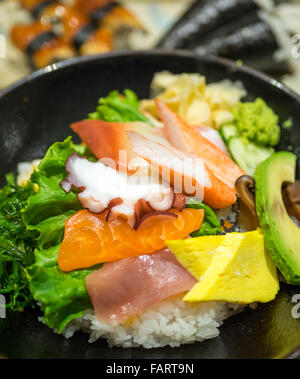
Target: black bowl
[(38, 110)]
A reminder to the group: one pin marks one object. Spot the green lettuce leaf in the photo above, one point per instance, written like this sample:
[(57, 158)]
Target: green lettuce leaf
[(211, 224), (50, 200), (62, 296), (51, 229), (55, 158), (119, 108)]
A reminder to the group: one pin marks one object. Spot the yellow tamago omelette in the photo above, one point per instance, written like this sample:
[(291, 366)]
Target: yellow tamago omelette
[(234, 267)]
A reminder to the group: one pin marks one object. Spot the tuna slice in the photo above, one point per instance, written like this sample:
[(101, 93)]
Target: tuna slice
[(125, 288)]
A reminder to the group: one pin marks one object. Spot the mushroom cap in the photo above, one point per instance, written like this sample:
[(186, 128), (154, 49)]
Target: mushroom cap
[(291, 198), (245, 188)]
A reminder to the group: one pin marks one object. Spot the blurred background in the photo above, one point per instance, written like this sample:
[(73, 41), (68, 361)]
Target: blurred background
[(264, 34)]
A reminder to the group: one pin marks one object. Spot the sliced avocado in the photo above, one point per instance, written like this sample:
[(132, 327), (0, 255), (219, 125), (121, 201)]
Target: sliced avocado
[(282, 236)]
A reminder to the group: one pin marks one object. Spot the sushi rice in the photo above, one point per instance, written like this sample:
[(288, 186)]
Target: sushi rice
[(172, 322)]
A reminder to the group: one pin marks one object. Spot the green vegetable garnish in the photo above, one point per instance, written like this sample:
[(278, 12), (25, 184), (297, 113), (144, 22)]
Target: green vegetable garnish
[(119, 108), (248, 155), (211, 225), (252, 134), (282, 237), (257, 122), (17, 245)]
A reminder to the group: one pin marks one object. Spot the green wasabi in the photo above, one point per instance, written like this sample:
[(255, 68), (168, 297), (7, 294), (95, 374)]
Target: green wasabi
[(256, 122), (251, 136)]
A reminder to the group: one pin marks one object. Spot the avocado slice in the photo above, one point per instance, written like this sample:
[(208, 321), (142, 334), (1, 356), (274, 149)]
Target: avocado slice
[(282, 236)]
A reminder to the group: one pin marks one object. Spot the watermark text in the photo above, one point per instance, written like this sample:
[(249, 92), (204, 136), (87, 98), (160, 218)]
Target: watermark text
[(296, 307), (2, 307)]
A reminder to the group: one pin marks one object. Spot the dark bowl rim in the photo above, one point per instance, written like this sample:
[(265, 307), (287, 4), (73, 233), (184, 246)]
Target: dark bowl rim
[(234, 65)]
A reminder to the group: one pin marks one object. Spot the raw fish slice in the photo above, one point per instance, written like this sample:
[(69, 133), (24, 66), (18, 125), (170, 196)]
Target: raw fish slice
[(89, 239), (122, 289), (105, 140), (109, 140)]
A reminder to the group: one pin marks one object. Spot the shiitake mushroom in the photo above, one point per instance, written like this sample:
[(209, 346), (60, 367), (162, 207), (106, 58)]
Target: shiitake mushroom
[(291, 198), (245, 188)]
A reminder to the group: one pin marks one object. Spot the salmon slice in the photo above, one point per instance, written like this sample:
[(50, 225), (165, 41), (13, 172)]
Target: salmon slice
[(106, 140), (188, 138), (109, 141), (186, 172), (123, 289), (89, 239)]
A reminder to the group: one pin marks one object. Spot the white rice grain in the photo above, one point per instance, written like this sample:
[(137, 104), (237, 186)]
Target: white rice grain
[(172, 322)]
